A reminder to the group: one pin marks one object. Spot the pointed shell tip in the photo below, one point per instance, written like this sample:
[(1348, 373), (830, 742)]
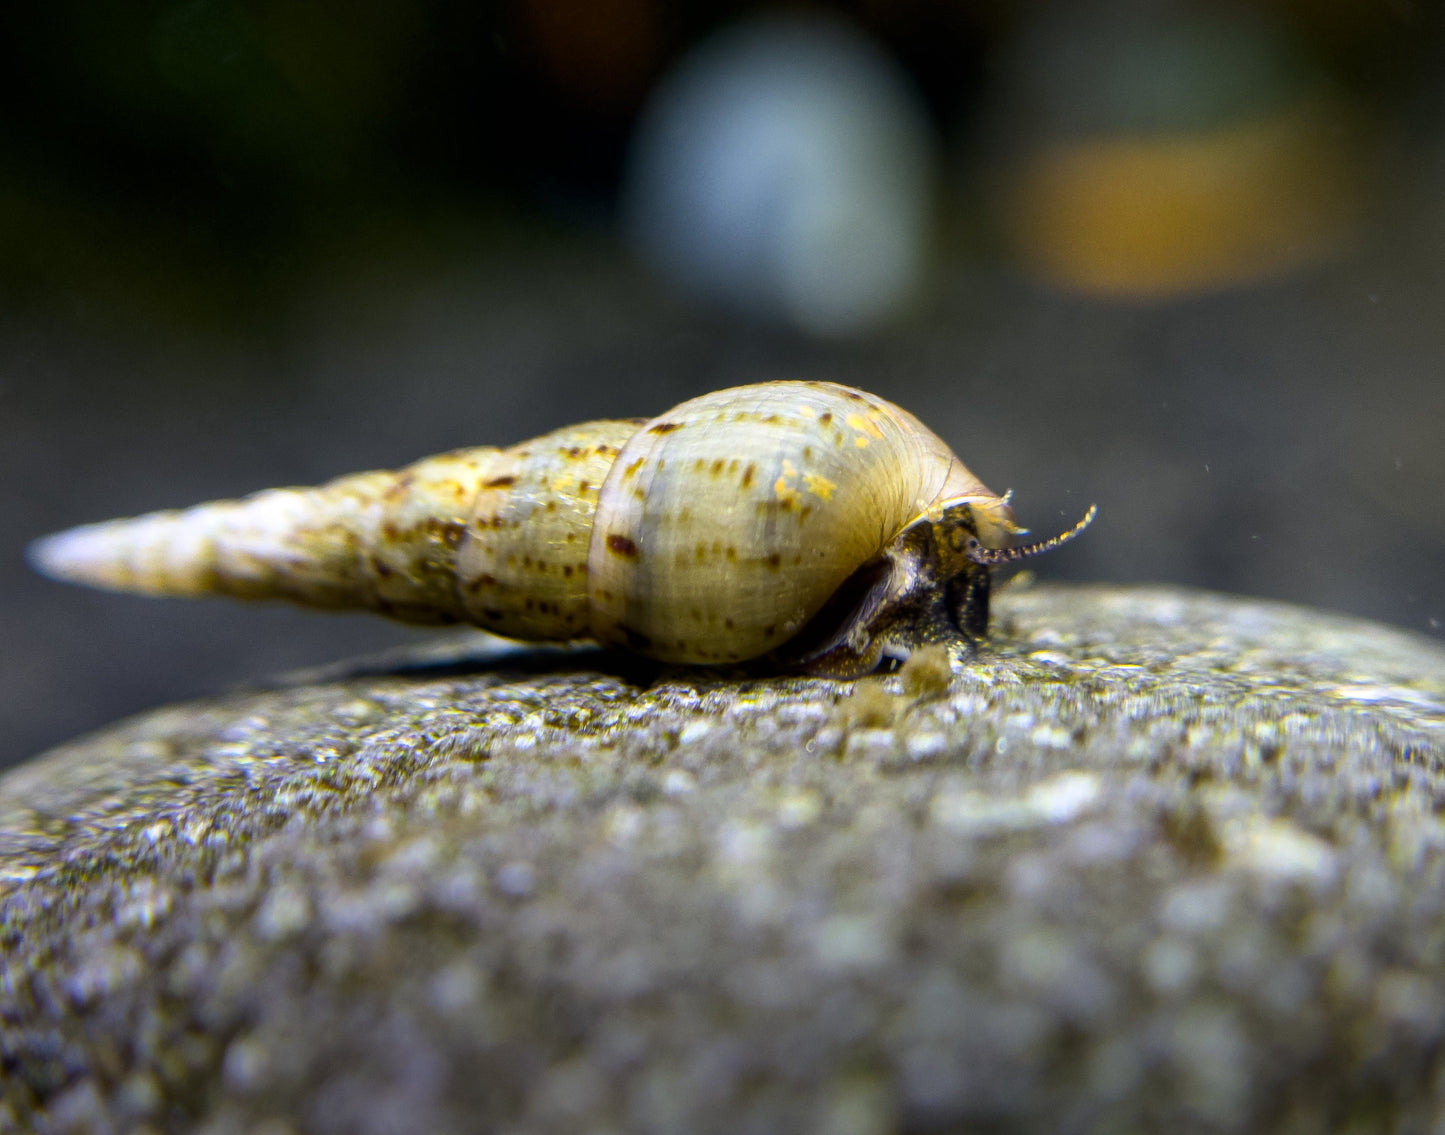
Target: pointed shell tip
[(52, 556)]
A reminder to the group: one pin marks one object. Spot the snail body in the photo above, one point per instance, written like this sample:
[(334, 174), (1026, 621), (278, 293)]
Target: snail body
[(806, 523)]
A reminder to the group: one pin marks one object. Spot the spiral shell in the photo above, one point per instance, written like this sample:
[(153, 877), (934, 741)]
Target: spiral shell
[(803, 522)]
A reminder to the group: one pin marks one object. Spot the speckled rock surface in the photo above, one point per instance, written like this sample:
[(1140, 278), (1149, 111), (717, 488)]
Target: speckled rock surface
[(1161, 861)]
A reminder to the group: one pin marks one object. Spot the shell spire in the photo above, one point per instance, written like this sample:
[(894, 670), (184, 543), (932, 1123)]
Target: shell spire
[(314, 546), (495, 537)]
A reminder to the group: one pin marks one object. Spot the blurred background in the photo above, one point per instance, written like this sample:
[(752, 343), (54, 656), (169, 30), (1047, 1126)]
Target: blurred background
[(1186, 260)]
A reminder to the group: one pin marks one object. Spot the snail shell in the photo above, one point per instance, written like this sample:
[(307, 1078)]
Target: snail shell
[(804, 522)]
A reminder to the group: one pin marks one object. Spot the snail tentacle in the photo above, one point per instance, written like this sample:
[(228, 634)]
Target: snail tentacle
[(994, 557)]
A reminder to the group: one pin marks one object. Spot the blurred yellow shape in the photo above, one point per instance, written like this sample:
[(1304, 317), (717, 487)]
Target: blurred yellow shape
[(1170, 214)]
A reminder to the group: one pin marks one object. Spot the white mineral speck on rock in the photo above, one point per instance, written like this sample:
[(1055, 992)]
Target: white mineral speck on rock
[(1052, 737), (457, 888), (678, 782), (744, 846), (455, 988), (871, 744), (517, 879), (144, 905), (625, 824), (1170, 965), (1375, 694), (852, 942), (975, 813), (1198, 908), (1057, 800), (1410, 1001), (103, 972), (245, 1062), (925, 746), (415, 858), (285, 910), (1061, 798), (799, 808), (1280, 850)]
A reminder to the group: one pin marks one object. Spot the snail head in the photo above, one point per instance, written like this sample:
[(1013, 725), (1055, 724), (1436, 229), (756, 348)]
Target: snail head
[(931, 584)]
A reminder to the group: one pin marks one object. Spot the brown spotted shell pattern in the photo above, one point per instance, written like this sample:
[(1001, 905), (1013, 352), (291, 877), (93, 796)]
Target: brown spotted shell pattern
[(806, 523)]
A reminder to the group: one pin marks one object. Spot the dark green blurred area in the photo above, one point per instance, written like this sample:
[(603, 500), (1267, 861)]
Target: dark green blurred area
[(192, 161), (255, 244)]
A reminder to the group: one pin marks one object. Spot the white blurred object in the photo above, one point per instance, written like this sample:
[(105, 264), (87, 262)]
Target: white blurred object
[(786, 167)]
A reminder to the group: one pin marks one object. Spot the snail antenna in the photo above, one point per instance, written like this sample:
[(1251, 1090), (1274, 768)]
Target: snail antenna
[(993, 557)]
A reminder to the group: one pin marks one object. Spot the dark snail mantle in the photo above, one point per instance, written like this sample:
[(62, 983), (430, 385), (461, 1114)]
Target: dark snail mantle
[(807, 523)]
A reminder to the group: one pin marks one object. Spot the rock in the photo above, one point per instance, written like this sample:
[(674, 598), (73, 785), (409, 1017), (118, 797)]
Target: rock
[(1159, 860)]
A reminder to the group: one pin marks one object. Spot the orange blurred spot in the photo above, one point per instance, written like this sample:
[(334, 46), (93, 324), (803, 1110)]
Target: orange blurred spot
[(1181, 213)]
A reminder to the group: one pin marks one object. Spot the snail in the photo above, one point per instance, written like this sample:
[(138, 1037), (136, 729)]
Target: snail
[(806, 526)]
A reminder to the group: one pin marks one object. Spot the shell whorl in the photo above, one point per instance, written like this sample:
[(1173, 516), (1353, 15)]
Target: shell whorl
[(729, 521)]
